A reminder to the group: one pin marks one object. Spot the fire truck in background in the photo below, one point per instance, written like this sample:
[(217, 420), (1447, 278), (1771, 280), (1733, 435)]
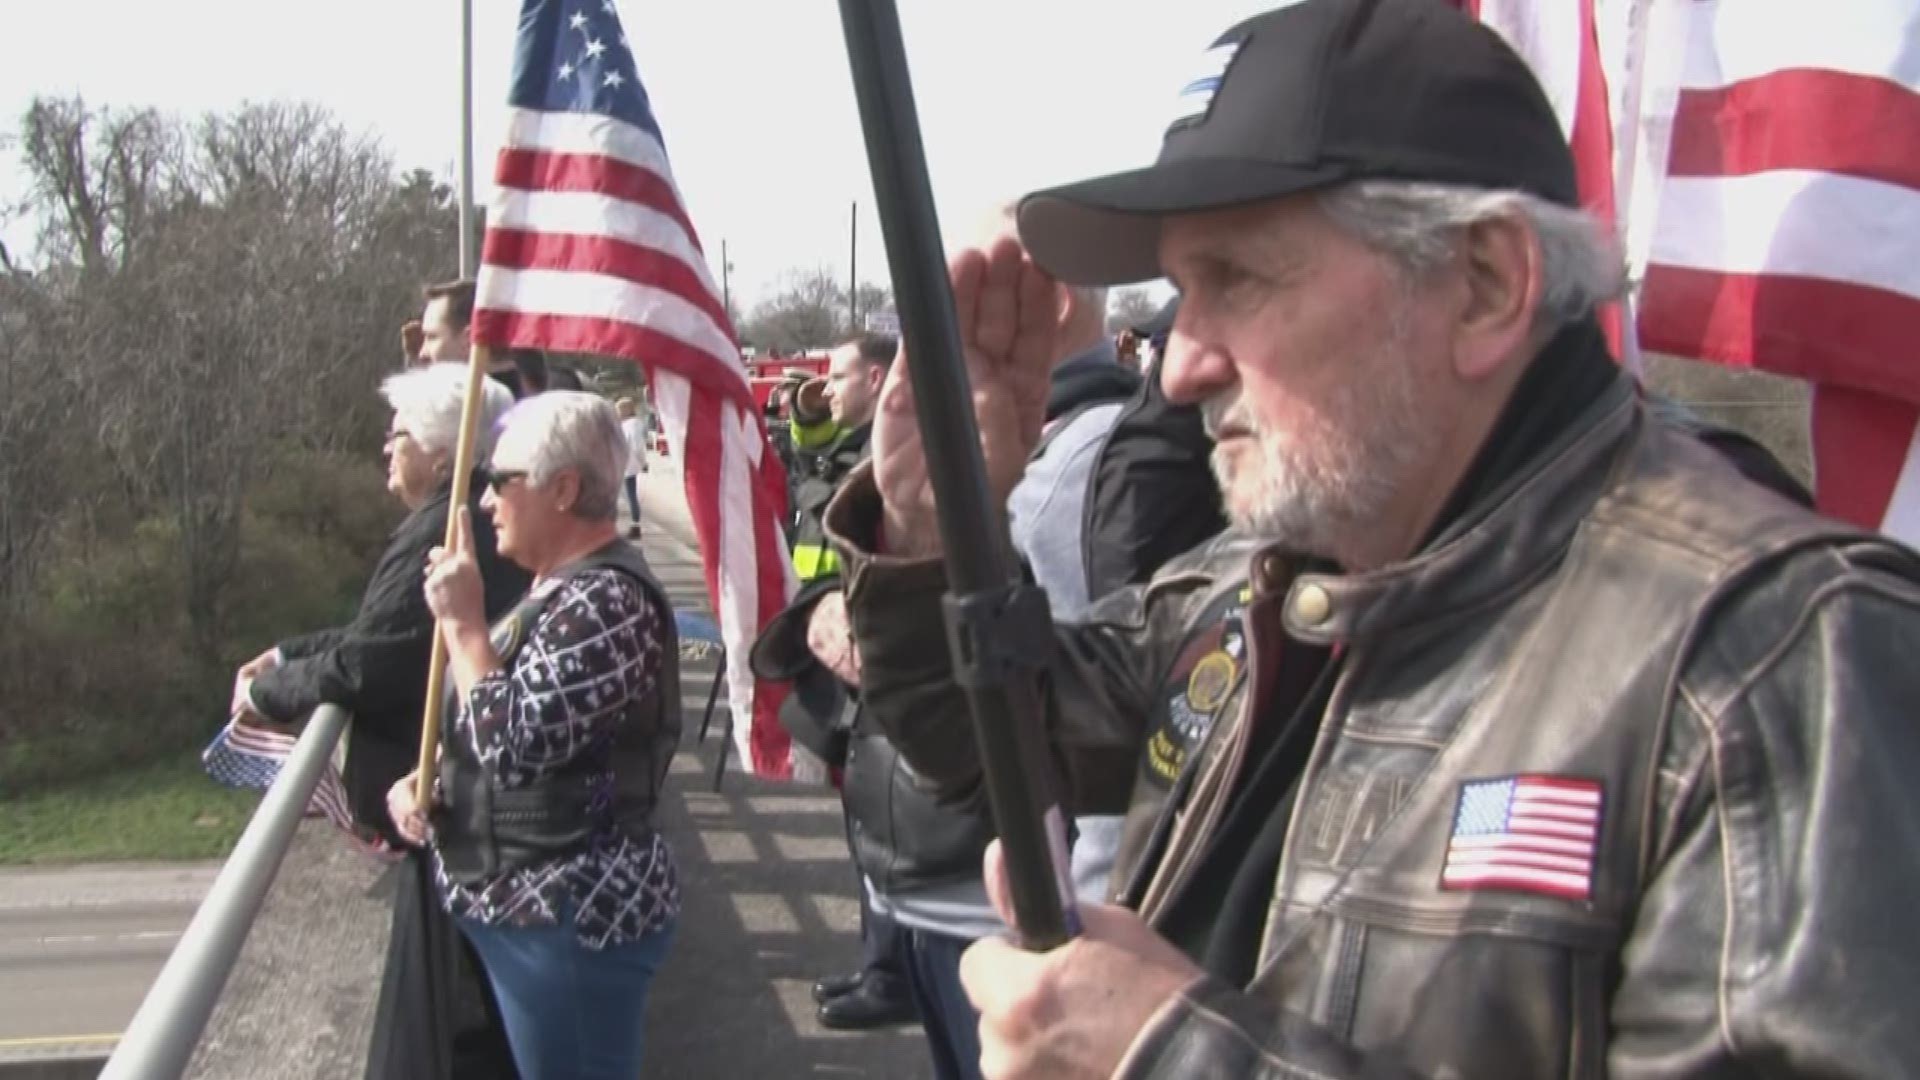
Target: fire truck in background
[(765, 373)]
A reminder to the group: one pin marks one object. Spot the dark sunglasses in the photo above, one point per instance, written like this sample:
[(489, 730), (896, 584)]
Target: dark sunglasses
[(498, 479)]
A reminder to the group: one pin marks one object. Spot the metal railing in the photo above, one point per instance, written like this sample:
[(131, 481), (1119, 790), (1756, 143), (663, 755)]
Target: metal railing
[(160, 1041)]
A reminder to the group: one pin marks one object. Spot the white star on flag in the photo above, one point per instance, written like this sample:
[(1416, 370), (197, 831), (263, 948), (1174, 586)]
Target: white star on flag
[(566, 71), (578, 22), (613, 79), (595, 47)]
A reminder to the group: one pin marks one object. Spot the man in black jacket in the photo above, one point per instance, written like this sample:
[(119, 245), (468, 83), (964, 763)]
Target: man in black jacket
[(1544, 744), (829, 424)]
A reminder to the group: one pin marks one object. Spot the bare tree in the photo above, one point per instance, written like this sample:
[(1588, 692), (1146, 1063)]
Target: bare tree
[(100, 173), (809, 312), (221, 289), (1130, 307)]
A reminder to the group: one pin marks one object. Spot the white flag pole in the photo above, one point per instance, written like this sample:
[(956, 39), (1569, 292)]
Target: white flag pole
[(467, 255)]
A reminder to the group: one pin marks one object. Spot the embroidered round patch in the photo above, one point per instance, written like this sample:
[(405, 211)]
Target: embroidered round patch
[(1211, 681)]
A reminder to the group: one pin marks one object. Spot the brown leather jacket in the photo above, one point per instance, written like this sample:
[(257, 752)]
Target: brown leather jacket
[(1727, 680)]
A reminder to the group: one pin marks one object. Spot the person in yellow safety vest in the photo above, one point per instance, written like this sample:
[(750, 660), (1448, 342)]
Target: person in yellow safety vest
[(831, 419)]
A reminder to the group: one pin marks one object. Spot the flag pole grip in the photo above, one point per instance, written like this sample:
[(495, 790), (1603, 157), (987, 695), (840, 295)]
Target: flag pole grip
[(479, 360)]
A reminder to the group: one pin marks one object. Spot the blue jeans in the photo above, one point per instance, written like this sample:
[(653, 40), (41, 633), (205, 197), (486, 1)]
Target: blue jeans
[(570, 1011), (952, 1025)]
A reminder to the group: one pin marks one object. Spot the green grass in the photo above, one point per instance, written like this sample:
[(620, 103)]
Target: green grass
[(164, 811)]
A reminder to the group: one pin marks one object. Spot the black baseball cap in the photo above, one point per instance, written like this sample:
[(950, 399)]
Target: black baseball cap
[(1305, 96)]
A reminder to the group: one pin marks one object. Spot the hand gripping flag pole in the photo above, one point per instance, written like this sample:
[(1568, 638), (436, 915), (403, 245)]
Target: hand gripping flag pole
[(998, 628), (479, 360)]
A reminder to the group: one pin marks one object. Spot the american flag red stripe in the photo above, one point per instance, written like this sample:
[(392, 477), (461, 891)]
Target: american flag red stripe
[(1526, 834), (1771, 184), (590, 250), (1785, 233)]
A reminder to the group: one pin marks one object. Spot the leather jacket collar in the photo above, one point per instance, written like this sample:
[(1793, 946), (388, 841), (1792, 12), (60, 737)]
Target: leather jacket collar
[(1493, 546)]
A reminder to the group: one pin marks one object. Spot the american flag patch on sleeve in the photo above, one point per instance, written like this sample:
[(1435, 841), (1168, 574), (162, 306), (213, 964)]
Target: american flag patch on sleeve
[(1530, 833)]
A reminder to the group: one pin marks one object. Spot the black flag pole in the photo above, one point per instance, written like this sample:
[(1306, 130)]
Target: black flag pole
[(999, 629)]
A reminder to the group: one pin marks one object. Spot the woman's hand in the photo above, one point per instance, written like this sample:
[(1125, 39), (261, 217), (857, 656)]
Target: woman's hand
[(243, 680), (409, 817), (454, 590)]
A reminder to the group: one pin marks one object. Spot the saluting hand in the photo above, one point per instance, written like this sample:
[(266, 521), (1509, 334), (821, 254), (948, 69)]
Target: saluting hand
[(454, 590), (1008, 310)]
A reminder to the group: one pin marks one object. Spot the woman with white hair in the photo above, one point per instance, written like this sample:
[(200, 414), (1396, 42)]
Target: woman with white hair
[(375, 667), (563, 718)]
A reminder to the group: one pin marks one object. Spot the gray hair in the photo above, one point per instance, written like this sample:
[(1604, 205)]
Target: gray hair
[(1415, 225), (573, 429), (428, 402)]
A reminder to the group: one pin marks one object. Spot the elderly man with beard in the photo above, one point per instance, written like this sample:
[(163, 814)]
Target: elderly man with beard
[(1542, 743)]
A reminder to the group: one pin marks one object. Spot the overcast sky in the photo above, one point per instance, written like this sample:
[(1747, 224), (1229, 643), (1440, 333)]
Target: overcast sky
[(753, 95)]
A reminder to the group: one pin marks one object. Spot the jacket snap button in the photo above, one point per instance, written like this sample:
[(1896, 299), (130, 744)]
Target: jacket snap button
[(1312, 605), (1273, 573)]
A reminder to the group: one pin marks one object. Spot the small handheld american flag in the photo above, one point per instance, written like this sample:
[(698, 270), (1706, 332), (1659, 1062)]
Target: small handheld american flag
[(250, 754)]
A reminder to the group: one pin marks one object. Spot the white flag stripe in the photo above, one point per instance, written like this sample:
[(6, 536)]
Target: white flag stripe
[(672, 397), (1471, 875), (589, 213), (603, 296), (1528, 823), (1548, 35), (1531, 843), (1736, 40), (1824, 226), (587, 133), (1557, 811), (1544, 793), (1509, 857), (739, 576)]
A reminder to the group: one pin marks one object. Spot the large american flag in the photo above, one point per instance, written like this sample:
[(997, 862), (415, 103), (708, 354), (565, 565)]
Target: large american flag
[(590, 250), (1525, 834), (1767, 168)]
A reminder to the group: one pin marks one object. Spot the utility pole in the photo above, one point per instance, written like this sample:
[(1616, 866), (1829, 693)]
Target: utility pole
[(853, 267), (726, 287)]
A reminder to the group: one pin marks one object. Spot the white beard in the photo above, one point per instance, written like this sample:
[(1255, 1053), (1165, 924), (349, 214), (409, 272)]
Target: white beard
[(1318, 489)]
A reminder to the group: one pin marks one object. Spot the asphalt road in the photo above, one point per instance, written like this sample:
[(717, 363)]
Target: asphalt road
[(770, 906), (80, 945)]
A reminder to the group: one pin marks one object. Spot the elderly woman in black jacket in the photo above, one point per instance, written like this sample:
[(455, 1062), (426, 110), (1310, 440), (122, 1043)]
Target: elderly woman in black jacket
[(375, 666)]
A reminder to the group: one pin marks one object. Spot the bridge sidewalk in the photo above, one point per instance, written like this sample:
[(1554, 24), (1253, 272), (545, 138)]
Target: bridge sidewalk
[(769, 893)]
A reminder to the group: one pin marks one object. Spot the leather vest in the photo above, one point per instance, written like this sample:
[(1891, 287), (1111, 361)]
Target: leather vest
[(483, 830)]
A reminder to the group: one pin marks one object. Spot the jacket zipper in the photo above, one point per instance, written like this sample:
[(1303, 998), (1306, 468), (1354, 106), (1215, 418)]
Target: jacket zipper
[(1322, 738)]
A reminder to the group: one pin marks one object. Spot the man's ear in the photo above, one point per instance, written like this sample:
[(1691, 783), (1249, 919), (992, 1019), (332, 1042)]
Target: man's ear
[(1501, 269)]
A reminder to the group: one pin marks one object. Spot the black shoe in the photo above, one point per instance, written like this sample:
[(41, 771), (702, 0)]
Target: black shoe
[(835, 985), (861, 1008), (633, 532)]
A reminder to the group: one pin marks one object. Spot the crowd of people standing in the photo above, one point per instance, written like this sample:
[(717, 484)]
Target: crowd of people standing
[(1429, 699)]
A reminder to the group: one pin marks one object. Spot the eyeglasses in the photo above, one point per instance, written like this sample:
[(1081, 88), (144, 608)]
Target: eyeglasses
[(498, 479)]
